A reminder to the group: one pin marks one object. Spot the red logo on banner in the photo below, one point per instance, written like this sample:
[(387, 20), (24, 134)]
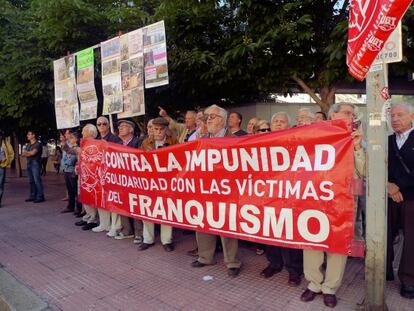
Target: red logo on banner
[(291, 188), (371, 22)]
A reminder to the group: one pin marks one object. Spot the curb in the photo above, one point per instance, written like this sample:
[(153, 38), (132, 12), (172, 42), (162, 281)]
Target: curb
[(14, 296)]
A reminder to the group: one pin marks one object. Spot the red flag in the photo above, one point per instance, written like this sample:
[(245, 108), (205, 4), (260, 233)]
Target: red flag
[(371, 22)]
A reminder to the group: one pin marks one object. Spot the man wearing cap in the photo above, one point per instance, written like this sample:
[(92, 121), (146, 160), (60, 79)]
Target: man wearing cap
[(108, 221), (158, 140), (130, 227), (216, 124)]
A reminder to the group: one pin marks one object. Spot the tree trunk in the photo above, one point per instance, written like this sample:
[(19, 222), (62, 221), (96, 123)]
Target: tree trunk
[(326, 96)]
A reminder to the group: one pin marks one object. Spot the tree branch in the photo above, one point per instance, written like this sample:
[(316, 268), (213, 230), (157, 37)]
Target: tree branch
[(308, 90)]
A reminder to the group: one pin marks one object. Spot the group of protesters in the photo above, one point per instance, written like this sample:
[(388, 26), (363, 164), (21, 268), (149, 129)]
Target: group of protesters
[(324, 271)]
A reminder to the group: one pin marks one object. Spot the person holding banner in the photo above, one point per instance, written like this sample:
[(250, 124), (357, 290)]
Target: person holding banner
[(401, 194), (278, 256), (89, 220), (328, 283), (216, 123), (107, 221), (304, 117), (131, 228), (159, 140)]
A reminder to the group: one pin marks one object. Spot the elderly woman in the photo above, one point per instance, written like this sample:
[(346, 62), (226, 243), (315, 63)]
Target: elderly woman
[(261, 126)]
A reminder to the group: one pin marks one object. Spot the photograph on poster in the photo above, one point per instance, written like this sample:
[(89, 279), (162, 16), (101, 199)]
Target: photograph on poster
[(110, 48), (111, 66), (85, 75), (135, 42), (124, 47)]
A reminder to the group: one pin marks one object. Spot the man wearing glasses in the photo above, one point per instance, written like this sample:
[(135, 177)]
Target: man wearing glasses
[(216, 124), (108, 221)]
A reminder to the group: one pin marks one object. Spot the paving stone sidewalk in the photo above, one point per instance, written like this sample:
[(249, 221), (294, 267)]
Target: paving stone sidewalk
[(71, 269)]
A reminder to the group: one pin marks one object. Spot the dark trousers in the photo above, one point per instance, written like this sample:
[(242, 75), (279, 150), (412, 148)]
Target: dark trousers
[(36, 185), (71, 181), (2, 181), (291, 258), (406, 269), (131, 226)]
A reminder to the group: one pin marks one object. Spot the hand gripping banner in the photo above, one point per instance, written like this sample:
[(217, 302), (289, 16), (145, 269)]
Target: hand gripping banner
[(289, 188)]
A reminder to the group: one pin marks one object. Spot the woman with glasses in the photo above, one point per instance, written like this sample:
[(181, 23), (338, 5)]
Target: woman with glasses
[(261, 126)]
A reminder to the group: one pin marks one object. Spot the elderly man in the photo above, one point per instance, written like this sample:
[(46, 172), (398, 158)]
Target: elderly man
[(328, 283), (183, 131), (401, 194), (131, 228), (280, 121), (250, 125), (159, 140), (107, 221), (89, 220), (277, 256), (33, 154), (234, 123), (305, 116), (6, 156), (216, 124)]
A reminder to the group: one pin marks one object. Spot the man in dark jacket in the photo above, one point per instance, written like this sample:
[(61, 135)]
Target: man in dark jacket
[(401, 194), (130, 227)]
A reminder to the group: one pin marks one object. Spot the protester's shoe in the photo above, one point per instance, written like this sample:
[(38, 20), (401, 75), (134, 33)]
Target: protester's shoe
[(294, 279), (168, 247), (99, 229), (233, 272), (308, 295), (269, 271), (90, 226), (66, 210), (80, 223), (39, 200), (81, 214), (121, 236), (390, 276), (407, 291), (144, 246), (193, 252), (112, 233), (138, 240), (65, 199), (197, 264), (29, 200), (329, 300)]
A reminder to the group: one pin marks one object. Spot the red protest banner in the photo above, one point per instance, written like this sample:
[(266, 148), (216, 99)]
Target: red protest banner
[(371, 22), (290, 188)]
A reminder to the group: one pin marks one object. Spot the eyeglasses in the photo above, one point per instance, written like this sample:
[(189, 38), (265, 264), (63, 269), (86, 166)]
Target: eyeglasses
[(212, 116), (99, 124), (265, 130)]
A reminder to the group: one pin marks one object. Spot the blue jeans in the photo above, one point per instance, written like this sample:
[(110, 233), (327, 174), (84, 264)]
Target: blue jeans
[(36, 186), (2, 180)]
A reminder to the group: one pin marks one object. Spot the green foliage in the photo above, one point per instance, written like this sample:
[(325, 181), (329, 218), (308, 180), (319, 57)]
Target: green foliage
[(235, 50)]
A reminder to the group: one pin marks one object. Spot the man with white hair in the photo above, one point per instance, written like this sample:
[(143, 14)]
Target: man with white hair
[(183, 131), (329, 282), (216, 124), (89, 220), (401, 194), (280, 121), (131, 228), (305, 116), (107, 221)]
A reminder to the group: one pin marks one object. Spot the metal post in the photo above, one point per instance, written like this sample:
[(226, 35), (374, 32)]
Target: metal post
[(376, 211)]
